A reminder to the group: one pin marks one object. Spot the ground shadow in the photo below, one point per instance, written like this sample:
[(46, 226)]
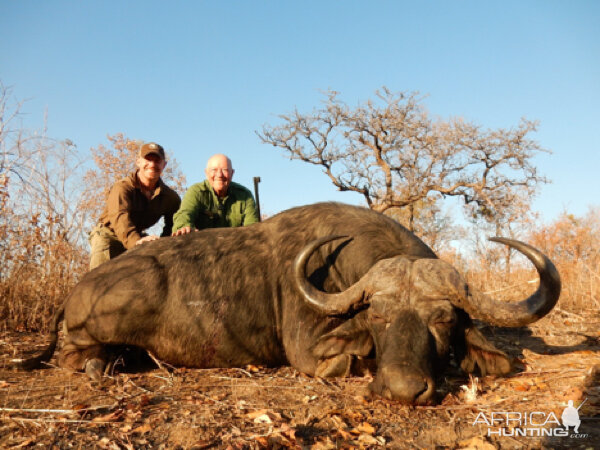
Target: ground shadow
[(522, 338)]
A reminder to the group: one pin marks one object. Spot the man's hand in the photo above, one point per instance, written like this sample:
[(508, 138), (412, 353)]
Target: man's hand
[(147, 239), (184, 230)]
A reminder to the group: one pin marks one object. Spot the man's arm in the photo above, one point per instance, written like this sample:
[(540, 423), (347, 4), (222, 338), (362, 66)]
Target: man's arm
[(250, 213), (119, 207), (185, 218)]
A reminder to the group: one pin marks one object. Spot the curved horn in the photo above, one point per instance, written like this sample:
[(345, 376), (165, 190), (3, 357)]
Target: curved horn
[(337, 303), (521, 313)]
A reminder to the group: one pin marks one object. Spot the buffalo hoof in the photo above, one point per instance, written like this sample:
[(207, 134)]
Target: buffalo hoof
[(94, 368)]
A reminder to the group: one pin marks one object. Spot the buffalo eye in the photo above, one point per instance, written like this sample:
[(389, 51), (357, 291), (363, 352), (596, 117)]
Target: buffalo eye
[(377, 319), (444, 320)]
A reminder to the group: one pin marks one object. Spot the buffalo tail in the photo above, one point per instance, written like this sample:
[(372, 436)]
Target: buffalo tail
[(37, 361)]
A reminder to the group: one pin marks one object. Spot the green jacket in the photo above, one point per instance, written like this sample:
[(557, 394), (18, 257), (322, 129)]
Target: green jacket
[(201, 208)]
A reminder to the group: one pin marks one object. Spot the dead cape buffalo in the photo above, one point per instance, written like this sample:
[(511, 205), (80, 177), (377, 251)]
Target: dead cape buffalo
[(322, 287)]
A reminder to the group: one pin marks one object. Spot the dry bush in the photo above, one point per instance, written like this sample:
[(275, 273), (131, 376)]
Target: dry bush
[(37, 272), (573, 245), (41, 229), (40, 222)]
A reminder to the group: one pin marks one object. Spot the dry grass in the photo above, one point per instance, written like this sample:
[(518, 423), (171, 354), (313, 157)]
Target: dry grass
[(38, 268)]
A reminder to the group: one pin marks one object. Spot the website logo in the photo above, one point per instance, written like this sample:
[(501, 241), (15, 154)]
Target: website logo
[(533, 424)]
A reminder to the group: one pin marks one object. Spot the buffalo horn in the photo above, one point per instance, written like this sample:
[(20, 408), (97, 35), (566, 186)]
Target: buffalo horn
[(326, 303), (518, 314)]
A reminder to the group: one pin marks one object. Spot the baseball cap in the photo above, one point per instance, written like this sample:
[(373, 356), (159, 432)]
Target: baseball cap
[(152, 148)]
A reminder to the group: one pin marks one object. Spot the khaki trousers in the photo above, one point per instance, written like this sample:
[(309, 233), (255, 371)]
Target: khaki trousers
[(104, 245)]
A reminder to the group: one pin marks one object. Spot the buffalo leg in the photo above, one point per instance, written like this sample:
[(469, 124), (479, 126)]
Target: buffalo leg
[(77, 354), (336, 366)]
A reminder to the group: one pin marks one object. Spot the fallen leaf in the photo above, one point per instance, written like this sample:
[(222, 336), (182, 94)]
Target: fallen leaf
[(143, 429), (450, 399), (573, 394), (276, 440), (367, 439), (25, 443), (288, 431), (344, 434), (262, 441), (79, 406), (144, 400), (326, 444), (475, 443), (114, 416), (366, 427), (103, 443), (263, 419), (133, 415), (256, 413), (274, 415), (309, 398), (198, 445)]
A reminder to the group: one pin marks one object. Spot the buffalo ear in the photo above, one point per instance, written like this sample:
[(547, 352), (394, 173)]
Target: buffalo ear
[(478, 352)]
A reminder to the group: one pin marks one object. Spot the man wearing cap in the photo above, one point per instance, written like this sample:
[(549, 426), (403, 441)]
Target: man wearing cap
[(134, 204), (216, 202)]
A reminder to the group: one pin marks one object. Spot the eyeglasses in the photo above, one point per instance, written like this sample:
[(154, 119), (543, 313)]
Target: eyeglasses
[(214, 171)]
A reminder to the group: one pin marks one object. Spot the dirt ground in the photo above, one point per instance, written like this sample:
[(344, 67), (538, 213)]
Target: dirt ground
[(258, 407)]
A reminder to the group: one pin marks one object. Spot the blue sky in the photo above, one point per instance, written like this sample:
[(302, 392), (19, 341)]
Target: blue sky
[(201, 77)]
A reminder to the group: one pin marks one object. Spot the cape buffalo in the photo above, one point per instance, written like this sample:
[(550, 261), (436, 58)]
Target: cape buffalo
[(319, 287)]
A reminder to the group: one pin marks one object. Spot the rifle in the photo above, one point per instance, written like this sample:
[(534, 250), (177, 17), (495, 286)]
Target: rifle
[(256, 181)]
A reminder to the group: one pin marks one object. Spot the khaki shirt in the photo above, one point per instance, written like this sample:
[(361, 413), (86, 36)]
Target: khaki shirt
[(128, 211)]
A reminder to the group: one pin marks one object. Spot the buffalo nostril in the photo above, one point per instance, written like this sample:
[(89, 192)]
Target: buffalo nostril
[(412, 388)]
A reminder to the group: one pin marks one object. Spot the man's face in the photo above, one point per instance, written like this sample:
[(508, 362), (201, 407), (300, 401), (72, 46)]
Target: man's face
[(150, 168), (219, 174)]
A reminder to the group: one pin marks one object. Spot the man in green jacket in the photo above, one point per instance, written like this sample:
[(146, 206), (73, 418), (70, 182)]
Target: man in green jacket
[(216, 202)]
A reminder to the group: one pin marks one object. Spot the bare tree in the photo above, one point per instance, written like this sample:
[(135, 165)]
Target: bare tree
[(39, 176), (17, 145), (395, 155), (430, 220), (41, 219)]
